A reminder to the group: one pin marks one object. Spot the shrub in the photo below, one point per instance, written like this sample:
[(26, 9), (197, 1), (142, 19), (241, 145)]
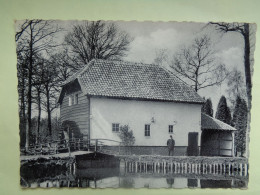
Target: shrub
[(126, 135)]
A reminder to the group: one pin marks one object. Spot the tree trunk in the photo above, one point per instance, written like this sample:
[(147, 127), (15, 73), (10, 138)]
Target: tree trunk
[(23, 120), (196, 83), (48, 109), (248, 81), (23, 96), (39, 115), (247, 65), (29, 94)]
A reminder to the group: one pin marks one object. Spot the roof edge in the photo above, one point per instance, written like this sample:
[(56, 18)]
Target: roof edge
[(187, 85), (141, 99), (214, 119), (77, 74)]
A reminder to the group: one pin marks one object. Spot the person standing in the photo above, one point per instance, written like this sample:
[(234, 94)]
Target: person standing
[(170, 145)]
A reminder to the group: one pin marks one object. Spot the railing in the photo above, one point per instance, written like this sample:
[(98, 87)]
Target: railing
[(186, 165), (60, 146), (99, 145), (55, 146)]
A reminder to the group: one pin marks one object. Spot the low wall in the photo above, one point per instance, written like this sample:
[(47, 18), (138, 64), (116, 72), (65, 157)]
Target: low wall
[(144, 150)]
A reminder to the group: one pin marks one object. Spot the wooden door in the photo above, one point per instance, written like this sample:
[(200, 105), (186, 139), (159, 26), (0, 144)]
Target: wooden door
[(193, 149)]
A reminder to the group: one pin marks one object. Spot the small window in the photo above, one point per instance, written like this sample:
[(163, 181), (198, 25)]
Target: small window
[(170, 128), (147, 130), (115, 127), (70, 100), (73, 99), (76, 98)]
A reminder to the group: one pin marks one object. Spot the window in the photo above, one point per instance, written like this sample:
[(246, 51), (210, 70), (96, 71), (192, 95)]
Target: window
[(70, 100), (147, 130), (73, 99), (115, 127), (76, 98), (170, 128)]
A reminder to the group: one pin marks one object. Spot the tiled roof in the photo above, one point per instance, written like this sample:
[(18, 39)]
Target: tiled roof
[(133, 80), (210, 123)]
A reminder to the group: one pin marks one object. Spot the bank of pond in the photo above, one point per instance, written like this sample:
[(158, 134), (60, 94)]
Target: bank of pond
[(97, 170)]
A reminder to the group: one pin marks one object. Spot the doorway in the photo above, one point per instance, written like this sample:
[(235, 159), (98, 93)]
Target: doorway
[(193, 149)]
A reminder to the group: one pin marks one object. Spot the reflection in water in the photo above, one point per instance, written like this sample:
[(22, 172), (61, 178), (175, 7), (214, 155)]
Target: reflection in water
[(170, 182), (215, 183), (192, 183), (116, 176)]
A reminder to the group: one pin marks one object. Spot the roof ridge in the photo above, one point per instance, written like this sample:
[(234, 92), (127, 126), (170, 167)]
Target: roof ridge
[(91, 62), (126, 62), (139, 80)]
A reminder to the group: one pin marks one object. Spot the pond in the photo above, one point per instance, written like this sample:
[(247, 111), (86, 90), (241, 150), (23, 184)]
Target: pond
[(110, 173)]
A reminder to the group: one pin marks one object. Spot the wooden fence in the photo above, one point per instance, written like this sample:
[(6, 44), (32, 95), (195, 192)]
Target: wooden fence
[(185, 165)]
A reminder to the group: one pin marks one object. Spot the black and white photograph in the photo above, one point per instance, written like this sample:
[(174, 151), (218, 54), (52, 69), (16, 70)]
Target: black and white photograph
[(128, 104)]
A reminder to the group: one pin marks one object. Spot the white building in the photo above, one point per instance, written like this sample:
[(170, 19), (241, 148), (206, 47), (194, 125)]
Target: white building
[(153, 102)]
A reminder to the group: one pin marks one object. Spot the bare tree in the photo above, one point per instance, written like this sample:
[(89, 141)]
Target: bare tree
[(37, 90), (64, 65), (236, 86), (197, 65), (161, 56), (96, 40), (22, 91), (50, 89), (244, 30), (33, 37)]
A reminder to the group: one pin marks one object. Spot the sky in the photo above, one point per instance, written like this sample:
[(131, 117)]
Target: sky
[(149, 37), (152, 36)]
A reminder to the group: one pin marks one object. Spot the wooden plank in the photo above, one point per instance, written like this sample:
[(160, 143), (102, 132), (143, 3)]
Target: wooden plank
[(78, 113)]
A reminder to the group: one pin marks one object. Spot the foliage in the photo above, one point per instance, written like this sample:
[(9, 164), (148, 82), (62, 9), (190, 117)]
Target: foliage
[(223, 112), (41, 135), (207, 107), (126, 135), (72, 128), (236, 86), (196, 64), (240, 123)]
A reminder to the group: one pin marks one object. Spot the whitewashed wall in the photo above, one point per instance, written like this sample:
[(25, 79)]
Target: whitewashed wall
[(136, 114)]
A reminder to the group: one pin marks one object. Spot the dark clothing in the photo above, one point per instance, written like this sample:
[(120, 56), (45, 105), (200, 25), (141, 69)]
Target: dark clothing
[(170, 145)]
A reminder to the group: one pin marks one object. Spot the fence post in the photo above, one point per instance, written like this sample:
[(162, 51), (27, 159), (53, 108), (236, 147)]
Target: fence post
[(119, 148), (69, 148), (96, 142)]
